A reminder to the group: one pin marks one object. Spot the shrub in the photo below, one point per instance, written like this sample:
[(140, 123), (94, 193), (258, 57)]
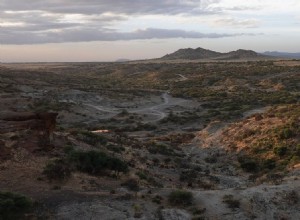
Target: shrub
[(57, 170), (248, 164), (180, 197), (297, 150), (13, 206), (116, 149), (91, 138), (231, 202), (163, 149), (285, 133), (157, 199), (294, 160), (95, 162), (292, 197), (132, 184), (280, 151), (188, 175), (68, 149), (142, 175), (269, 164), (210, 159)]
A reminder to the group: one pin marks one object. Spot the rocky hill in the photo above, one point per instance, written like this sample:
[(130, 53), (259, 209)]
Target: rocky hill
[(240, 54), (200, 53), (192, 54)]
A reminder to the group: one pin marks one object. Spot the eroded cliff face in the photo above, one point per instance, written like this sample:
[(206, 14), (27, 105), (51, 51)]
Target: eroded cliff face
[(32, 131)]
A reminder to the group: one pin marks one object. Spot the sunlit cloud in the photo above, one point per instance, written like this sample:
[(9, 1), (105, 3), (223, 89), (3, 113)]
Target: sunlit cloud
[(240, 23)]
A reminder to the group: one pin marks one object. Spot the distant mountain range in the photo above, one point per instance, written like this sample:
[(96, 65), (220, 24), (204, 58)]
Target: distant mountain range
[(204, 54), (121, 60), (282, 54), (200, 53)]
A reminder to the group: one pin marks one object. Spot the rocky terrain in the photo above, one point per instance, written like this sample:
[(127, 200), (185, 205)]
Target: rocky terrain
[(150, 140)]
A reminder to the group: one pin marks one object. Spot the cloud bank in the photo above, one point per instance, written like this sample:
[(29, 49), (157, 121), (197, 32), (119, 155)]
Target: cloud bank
[(59, 21)]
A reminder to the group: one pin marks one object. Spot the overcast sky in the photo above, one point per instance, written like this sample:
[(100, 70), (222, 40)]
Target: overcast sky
[(106, 30)]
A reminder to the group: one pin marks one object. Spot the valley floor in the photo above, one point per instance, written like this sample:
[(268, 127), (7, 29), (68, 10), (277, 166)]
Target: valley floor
[(119, 152)]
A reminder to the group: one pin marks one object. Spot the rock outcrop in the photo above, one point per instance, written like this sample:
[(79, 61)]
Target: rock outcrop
[(32, 131), (45, 122)]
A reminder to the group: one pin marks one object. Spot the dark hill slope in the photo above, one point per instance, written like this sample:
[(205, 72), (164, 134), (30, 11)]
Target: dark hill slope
[(192, 54), (200, 53)]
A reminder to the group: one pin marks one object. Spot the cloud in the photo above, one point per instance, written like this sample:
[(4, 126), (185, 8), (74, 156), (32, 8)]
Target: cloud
[(54, 21), (115, 6), (59, 21), (89, 34), (242, 23)]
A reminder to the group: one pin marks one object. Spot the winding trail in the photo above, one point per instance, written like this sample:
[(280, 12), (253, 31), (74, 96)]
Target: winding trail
[(156, 110)]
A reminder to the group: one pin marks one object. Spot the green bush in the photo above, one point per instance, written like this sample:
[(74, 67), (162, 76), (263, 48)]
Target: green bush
[(297, 150), (285, 133), (58, 169), (180, 197), (13, 206), (95, 162), (142, 175), (249, 165), (294, 160), (280, 151), (269, 164)]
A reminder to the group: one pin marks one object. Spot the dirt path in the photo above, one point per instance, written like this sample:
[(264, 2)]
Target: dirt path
[(183, 78), (159, 110), (104, 109)]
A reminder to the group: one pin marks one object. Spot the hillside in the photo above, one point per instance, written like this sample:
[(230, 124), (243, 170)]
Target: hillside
[(162, 141), (192, 54), (200, 53)]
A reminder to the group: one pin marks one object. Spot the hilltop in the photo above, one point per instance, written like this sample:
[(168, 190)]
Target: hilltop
[(200, 53), (192, 54)]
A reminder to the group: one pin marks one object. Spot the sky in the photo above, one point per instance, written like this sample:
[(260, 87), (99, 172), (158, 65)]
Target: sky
[(106, 30)]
